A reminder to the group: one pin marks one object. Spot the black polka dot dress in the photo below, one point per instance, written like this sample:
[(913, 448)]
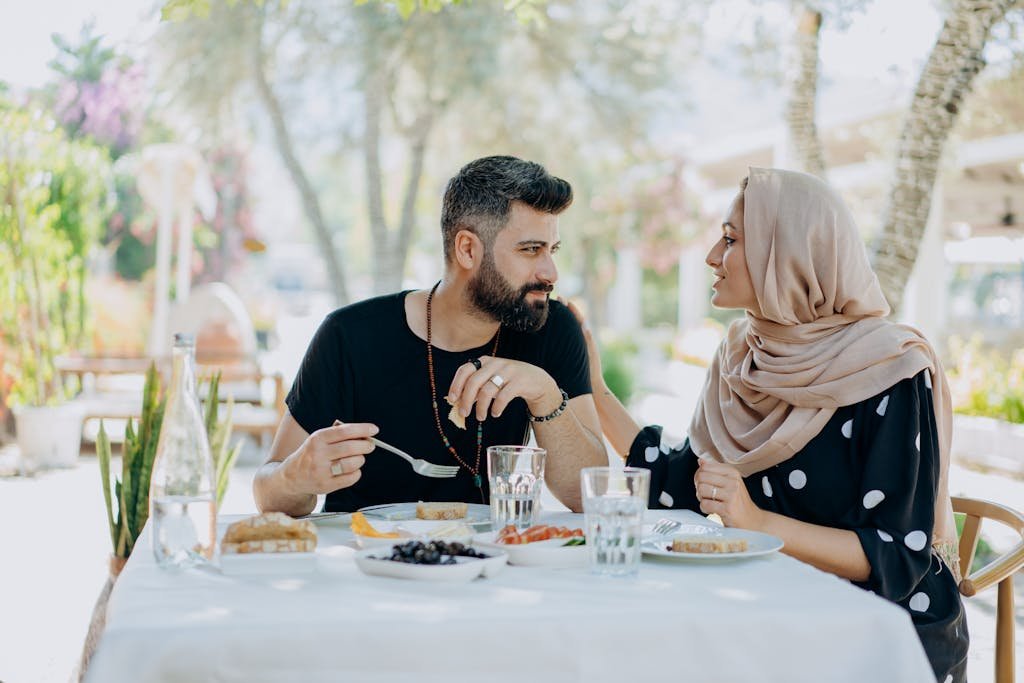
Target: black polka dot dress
[(873, 470)]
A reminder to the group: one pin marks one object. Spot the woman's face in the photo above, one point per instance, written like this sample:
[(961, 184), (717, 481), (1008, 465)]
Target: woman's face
[(733, 287)]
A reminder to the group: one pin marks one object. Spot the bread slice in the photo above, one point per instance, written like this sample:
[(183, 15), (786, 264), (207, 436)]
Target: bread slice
[(441, 510), (282, 545), (708, 544), (456, 418), (274, 529)]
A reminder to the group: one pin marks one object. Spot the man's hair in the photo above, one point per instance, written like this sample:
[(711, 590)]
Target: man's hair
[(479, 198)]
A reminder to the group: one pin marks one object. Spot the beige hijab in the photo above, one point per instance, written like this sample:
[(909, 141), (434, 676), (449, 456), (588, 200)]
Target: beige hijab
[(819, 341)]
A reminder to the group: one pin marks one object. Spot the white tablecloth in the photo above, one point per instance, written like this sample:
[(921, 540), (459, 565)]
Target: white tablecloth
[(764, 619)]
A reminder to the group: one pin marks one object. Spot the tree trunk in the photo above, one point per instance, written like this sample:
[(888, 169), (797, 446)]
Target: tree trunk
[(286, 149), (802, 87), (955, 60), (373, 112)]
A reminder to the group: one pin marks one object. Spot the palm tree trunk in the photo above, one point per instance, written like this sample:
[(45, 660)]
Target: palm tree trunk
[(955, 60), (286, 149), (373, 112), (802, 86)]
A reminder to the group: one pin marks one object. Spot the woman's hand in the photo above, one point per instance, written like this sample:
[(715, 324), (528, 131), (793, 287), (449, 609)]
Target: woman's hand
[(593, 355), (721, 490)]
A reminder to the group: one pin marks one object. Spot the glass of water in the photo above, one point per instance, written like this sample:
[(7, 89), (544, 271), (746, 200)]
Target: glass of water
[(614, 502), (516, 474)]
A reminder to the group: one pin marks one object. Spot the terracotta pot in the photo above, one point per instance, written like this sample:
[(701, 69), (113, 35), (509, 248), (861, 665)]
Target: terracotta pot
[(99, 615)]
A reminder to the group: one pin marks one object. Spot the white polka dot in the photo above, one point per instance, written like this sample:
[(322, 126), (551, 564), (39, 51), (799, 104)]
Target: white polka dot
[(885, 536), (948, 678), (665, 448), (767, 486), (928, 379), (848, 429), (917, 441), (873, 498), (883, 405), (651, 453), (797, 479), (916, 540), (919, 602), (665, 499)]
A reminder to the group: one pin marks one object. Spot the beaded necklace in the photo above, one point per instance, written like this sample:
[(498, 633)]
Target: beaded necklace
[(475, 470)]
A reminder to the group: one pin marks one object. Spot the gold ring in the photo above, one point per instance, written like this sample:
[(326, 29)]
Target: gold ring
[(336, 468), (498, 381)]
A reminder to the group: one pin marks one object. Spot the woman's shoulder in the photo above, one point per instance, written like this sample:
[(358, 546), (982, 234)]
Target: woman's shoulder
[(920, 386)]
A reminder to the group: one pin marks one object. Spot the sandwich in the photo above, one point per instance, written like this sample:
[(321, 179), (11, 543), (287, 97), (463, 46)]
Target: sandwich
[(270, 532)]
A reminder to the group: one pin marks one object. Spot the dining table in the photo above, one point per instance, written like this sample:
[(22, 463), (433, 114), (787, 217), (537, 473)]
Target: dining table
[(761, 618)]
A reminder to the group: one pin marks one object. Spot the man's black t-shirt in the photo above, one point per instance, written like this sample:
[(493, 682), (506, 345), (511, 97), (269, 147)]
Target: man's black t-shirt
[(366, 365)]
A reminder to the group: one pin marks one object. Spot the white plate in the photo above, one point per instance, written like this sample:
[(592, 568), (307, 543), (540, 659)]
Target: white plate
[(244, 564), (413, 529), (464, 569), (757, 544), (477, 515), (550, 553)]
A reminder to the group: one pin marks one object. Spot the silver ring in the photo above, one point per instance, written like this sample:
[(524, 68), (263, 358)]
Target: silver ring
[(714, 493), (498, 381), (336, 468)]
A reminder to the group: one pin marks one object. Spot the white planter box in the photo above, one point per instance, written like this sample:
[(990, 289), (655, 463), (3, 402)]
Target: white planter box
[(49, 436), (989, 442)]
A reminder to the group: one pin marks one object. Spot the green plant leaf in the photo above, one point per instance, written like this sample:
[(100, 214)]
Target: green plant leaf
[(103, 456)]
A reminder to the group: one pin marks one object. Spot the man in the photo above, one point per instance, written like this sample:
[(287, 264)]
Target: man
[(486, 340)]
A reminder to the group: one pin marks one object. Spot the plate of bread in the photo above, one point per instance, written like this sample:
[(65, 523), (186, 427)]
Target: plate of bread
[(473, 514), (269, 542), (712, 544)]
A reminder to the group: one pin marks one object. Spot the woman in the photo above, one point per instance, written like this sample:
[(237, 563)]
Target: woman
[(820, 422)]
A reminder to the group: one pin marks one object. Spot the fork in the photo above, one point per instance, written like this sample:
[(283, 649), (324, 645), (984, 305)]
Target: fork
[(420, 466), (665, 526)]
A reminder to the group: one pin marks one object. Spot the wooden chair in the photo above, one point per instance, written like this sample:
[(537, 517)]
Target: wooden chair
[(999, 571)]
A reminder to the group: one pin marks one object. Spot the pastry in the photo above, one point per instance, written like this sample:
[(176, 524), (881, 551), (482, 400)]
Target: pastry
[(270, 532)]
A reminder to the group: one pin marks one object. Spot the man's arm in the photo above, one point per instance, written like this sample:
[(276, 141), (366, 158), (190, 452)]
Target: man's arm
[(302, 465), (574, 439)]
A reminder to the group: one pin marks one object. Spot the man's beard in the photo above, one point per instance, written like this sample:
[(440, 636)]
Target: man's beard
[(492, 294)]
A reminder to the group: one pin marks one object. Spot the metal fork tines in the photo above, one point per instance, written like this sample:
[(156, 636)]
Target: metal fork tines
[(420, 466), (665, 526)]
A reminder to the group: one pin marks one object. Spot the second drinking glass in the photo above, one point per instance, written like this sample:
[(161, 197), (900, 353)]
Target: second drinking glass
[(516, 475)]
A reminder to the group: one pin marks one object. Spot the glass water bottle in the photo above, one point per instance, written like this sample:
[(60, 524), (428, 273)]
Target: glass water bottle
[(182, 498)]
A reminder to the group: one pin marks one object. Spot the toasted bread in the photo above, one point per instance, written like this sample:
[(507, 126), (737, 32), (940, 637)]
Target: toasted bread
[(270, 532), (708, 544), (441, 510)]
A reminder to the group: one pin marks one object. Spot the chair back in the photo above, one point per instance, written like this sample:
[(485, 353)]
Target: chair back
[(999, 572)]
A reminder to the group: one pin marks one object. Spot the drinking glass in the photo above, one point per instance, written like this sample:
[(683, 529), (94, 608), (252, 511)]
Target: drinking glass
[(614, 502), (516, 474)]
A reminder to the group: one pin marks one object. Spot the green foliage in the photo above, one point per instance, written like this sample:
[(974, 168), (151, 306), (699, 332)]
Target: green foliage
[(54, 198), (180, 10), (617, 367), (985, 383), (132, 490), (526, 11)]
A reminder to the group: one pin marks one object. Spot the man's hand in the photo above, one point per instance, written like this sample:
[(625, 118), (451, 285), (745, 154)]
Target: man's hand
[(329, 459), (498, 381)]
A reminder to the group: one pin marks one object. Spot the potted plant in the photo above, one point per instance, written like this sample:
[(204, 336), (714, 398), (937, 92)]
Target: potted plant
[(53, 201), (127, 497)]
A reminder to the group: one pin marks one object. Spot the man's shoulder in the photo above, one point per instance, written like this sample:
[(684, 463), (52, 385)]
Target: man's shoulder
[(560, 319), (378, 309)]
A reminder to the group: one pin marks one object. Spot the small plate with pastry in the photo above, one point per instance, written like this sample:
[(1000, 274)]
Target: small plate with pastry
[(715, 544), (269, 542), (472, 514), (385, 533)]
